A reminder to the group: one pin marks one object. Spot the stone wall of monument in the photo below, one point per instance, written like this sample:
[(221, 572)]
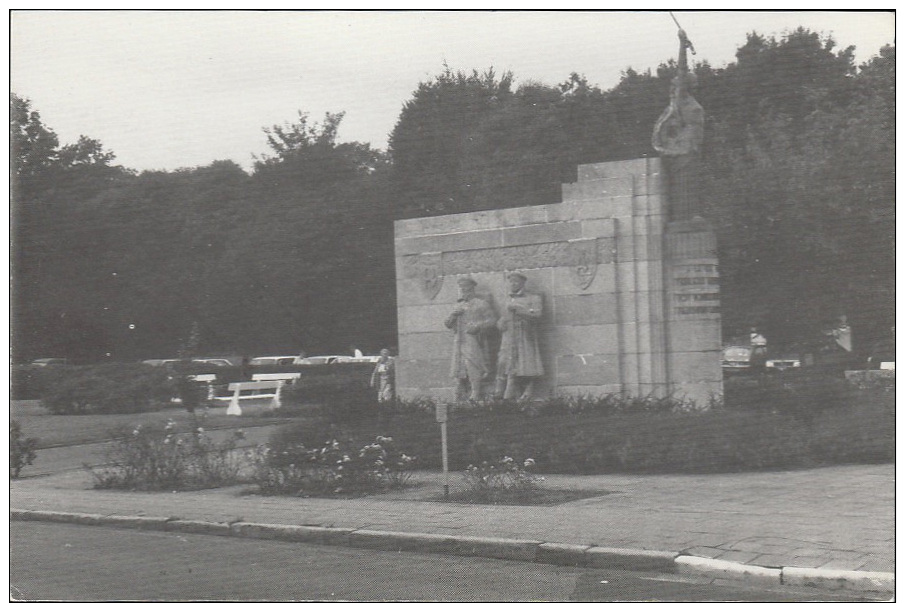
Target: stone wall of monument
[(597, 259)]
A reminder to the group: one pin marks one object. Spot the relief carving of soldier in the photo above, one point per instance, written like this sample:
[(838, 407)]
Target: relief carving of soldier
[(472, 321), (519, 363)]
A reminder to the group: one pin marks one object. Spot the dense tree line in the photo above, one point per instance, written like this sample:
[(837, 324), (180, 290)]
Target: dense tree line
[(798, 181)]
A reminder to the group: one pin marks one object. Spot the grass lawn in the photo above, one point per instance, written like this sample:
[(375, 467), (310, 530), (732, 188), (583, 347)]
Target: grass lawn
[(66, 430)]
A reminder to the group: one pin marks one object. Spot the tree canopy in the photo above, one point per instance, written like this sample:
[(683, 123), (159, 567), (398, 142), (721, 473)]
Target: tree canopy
[(799, 183)]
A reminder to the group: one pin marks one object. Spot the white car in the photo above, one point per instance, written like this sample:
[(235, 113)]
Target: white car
[(160, 362), (262, 360), (311, 360), (215, 361), (367, 359)]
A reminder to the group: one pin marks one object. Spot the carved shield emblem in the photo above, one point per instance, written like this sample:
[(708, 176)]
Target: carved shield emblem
[(427, 269), (584, 258)]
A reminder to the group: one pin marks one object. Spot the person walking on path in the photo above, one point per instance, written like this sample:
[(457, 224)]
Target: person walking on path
[(384, 373), (758, 348)]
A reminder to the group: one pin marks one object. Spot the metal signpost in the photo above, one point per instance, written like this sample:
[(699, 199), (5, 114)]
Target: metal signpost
[(442, 415)]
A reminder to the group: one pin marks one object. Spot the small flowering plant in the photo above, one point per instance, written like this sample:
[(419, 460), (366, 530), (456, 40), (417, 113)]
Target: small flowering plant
[(500, 481), (155, 458), (334, 469)]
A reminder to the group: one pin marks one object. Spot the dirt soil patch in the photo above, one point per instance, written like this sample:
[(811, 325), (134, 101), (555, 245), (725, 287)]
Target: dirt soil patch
[(540, 497)]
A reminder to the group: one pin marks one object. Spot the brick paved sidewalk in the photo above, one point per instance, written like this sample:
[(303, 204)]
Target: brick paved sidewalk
[(839, 518)]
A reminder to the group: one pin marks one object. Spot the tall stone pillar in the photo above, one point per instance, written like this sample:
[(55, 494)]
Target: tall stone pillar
[(692, 285)]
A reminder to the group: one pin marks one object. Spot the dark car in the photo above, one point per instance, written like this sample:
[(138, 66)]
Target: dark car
[(783, 361), (736, 359)]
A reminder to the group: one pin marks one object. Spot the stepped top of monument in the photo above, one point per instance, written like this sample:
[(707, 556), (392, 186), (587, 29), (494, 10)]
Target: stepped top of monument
[(627, 177)]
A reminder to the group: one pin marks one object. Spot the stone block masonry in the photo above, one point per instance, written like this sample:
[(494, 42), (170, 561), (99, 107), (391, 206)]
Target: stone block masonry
[(630, 302)]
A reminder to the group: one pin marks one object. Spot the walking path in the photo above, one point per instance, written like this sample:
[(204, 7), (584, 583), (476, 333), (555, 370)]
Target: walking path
[(837, 523)]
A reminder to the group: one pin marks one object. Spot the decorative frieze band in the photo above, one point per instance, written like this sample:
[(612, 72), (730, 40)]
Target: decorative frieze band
[(583, 255)]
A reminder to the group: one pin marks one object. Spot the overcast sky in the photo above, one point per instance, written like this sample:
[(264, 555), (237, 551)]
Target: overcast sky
[(165, 90)]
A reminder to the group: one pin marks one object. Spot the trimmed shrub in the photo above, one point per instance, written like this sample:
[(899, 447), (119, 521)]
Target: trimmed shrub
[(28, 382), (800, 393), (108, 389), (344, 394), (191, 394), (832, 425), (862, 431), (21, 450)]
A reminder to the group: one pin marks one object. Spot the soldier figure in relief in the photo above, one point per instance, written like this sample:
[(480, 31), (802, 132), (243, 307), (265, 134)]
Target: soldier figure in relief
[(472, 320), (519, 363)]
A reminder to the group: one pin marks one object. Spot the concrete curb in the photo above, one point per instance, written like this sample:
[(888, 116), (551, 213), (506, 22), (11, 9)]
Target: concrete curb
[(631, 559), (826, 579), (291, 533), (552, 553), (731, 570), (840, 579)]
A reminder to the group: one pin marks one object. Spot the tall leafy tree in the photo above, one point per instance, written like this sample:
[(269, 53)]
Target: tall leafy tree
[(793, 150), (435, 134), (33, 146)]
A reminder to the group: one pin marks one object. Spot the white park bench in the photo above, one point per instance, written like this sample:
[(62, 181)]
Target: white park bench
[(287, 377), (250, 390)]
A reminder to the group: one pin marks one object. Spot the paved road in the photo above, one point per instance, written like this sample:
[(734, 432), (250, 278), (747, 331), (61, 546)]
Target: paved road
[(65, 562)]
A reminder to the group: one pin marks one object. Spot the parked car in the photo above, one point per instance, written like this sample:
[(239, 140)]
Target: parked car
[(368, 359), (322, 360), (736, 359), (214, 361), (283, 360), (783, 361), (160, 361), (49, 361)]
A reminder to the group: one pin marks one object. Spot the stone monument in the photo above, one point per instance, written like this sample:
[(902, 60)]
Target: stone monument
[(624, 270)]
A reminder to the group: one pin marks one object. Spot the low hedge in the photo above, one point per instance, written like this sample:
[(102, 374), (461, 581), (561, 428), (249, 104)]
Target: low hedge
[(108, 389), (856, 428), (800, 393), (342, 391), (28, 382)]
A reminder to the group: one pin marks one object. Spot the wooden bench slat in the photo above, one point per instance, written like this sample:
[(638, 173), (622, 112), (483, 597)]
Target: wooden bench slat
[(275, 376), (252, 385), (206, 378)]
